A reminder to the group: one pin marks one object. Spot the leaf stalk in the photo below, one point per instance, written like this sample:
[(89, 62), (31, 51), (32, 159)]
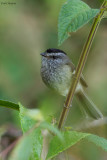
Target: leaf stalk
[(8, 104)]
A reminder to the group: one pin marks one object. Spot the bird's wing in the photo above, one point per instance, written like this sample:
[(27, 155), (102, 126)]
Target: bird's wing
[(82, 80), (71, 65)]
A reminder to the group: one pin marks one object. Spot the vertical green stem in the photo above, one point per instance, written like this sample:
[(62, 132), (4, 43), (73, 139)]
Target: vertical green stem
[(81, 64)]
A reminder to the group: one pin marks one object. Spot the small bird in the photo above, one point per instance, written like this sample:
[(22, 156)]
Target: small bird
[(57, 71)]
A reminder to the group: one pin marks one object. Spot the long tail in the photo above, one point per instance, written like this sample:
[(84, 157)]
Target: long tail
[(88, 106)]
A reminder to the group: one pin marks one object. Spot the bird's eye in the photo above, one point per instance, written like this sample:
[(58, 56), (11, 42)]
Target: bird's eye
[(54, 57)]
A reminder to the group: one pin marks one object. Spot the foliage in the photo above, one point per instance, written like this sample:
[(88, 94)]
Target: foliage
[(32, 140), (73, 15)]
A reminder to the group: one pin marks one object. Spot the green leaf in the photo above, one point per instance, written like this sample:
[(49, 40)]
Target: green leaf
[(28, 147), (30, 117), (99, 141), (23, 149), (37, 144), (26, 121), (73, 15), (70, 138), (28, 124)]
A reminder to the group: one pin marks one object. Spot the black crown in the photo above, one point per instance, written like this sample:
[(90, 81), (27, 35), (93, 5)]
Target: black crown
[(53, 50)]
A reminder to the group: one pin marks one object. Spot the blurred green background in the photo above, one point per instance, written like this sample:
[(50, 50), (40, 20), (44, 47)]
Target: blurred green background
[(28, 28)]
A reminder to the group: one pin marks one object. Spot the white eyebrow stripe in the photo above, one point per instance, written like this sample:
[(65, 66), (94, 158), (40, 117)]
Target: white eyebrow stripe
[(56, 54)]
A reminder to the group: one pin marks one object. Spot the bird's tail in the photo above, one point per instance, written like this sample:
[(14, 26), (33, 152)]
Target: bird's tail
[(88, 106)]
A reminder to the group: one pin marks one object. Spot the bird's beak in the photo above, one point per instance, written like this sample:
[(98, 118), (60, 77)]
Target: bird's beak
[(43, 54)]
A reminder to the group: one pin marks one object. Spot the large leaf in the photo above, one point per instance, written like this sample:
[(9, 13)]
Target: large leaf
[(30, 117), (37, 144), (23, 149), (29, 125), (26, 121), (99, 141), (69, 139), (29, 147), (73, 15), (57, 145)]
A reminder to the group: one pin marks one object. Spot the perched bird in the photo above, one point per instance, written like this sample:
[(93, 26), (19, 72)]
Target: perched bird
[(57, 71)]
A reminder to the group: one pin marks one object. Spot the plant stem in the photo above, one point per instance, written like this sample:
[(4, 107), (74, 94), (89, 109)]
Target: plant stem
[(81, 64), (8, 104)]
